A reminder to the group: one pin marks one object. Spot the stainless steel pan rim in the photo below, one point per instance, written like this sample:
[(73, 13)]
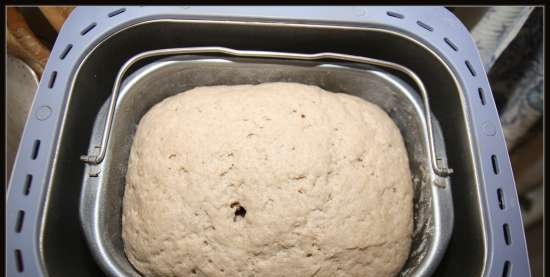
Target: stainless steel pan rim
[(437, 225), (96, 158)]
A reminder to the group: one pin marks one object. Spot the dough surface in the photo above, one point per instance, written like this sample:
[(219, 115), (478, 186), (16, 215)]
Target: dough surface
[(276, 179)]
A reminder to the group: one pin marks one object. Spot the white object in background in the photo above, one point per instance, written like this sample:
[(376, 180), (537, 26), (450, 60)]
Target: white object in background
[(496, 29), (533, 213), (525, 106)]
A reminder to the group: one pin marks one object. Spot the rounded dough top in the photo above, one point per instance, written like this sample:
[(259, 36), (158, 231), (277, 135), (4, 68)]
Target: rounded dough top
[(276, 179)]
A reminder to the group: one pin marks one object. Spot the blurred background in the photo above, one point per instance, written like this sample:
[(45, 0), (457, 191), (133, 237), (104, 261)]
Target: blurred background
[(510, 42)]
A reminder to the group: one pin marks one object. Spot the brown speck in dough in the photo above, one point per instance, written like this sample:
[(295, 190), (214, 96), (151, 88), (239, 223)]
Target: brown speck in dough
[(240, 211)]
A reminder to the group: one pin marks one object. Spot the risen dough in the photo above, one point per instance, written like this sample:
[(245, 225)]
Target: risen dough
[(276, 179)]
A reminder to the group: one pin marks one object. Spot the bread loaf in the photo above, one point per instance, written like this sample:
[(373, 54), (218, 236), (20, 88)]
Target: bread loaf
[(276, 179)]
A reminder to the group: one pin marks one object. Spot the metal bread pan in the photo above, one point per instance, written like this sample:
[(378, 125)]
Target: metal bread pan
[(103, 183)]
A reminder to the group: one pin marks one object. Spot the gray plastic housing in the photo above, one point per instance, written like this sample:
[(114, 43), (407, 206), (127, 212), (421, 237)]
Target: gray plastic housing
[(437, 29)]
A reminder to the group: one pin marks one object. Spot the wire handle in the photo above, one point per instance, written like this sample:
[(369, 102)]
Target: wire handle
[(97, 159)]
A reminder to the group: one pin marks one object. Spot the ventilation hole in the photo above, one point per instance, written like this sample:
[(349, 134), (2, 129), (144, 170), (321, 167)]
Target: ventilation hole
[(481, 96), (66, 51), (117, 12), (470, 68), (495, 164), (506, 231), (396, 15), (19, 261), (500, 198), (52, 79), (451, 44), (425, 26), (88, 29), (35, 149), (506, 269), (19, 223), (27, 186)]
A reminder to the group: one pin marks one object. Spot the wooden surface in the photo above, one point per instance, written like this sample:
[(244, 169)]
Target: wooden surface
[(56, 15), (23, 43), (527, 164)]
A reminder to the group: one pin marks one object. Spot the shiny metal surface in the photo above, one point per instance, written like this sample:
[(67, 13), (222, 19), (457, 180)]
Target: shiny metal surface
[(101, 198), (21, 85), (98, 158)]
